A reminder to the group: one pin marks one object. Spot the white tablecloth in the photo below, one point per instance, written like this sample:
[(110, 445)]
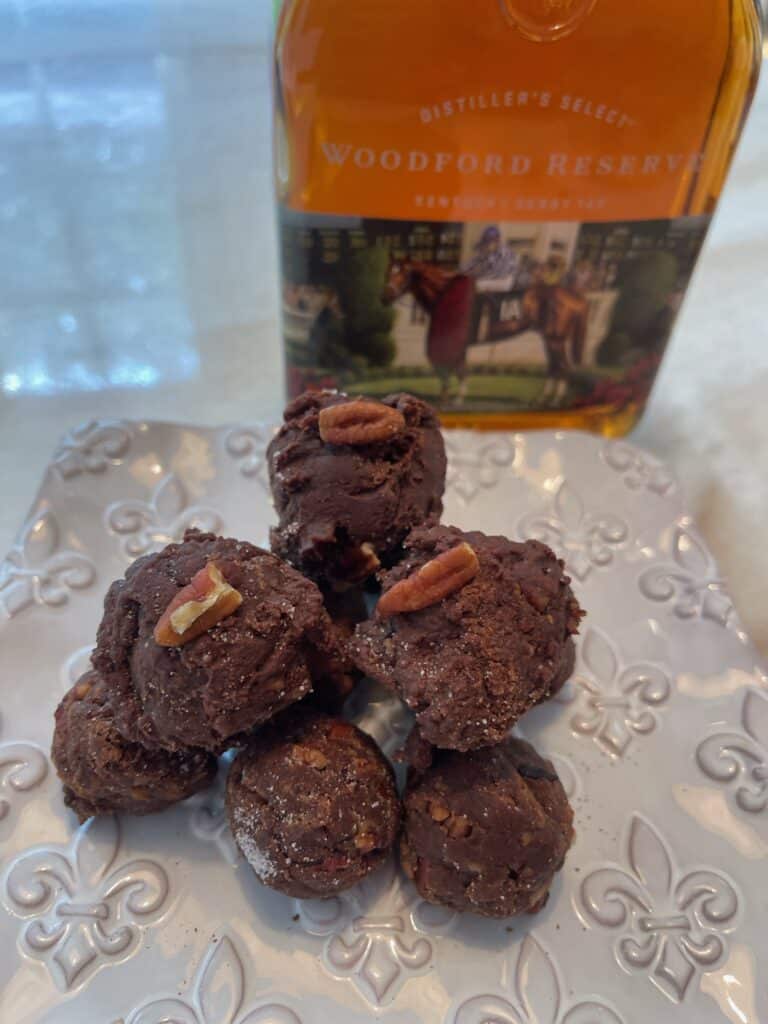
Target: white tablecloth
[(138, 259)]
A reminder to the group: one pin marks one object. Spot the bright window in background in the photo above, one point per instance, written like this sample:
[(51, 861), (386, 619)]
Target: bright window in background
[(91, 294)]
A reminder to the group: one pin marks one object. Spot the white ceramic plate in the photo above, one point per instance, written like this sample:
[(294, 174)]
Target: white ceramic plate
[(661, 740)]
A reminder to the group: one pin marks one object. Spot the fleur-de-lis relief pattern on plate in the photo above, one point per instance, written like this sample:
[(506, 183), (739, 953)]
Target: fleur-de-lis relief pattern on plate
[(208, 822), (208, 819), (614, 702), (535, 994), (661, 921), (216, 996), (741, 758), (248, 445), (75, 665), (23, 766), (638, 469), (145, 526), (381, 714), (91, 447), (586, 540), (85, 907), (691, 583), (476, 464), (39, 570), (371, 934), (672, 924), (566, 772)]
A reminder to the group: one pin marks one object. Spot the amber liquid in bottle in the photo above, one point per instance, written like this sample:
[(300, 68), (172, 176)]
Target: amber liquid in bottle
[(499, 205)]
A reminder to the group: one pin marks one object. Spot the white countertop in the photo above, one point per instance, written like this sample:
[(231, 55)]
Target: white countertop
[(138, 259)]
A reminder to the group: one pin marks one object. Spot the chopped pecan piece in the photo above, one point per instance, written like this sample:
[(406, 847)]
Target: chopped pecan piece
[(310, 756), (365, 842), (340, 730), (197, 607), (438, 812), (434, 581), (359, 422)]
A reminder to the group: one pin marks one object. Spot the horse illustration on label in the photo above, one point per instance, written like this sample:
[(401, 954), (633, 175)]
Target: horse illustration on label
[(460, 315)]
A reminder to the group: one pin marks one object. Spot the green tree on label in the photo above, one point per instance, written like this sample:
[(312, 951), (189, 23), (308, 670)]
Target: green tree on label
[(641, 318), (354, 331)]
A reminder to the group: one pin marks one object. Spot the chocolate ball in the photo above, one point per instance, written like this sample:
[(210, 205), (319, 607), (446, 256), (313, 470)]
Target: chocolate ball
[(471, 663), (237, 673), (312, 804), (103, 773), (345, 508), (486, 831)]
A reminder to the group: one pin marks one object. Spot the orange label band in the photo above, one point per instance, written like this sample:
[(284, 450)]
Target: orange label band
[(388, 110)]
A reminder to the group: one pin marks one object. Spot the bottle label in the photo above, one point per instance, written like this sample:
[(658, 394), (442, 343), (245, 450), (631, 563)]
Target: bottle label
[(497, 206), (483, 315)]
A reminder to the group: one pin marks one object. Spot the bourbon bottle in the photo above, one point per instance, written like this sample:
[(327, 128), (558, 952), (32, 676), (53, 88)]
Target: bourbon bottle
[(498, 205)]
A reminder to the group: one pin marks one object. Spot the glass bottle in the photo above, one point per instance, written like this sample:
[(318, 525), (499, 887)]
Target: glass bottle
[(499, 205)]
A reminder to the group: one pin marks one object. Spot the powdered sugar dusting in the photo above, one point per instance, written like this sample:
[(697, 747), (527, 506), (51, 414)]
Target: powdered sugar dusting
[(258, 858)]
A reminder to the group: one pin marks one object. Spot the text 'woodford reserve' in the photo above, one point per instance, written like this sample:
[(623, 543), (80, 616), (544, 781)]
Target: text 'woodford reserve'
[(415, 161)]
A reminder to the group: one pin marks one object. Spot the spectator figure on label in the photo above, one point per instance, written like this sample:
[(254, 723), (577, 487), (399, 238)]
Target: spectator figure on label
[(580, 278), (526, 271), (552, 270)]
